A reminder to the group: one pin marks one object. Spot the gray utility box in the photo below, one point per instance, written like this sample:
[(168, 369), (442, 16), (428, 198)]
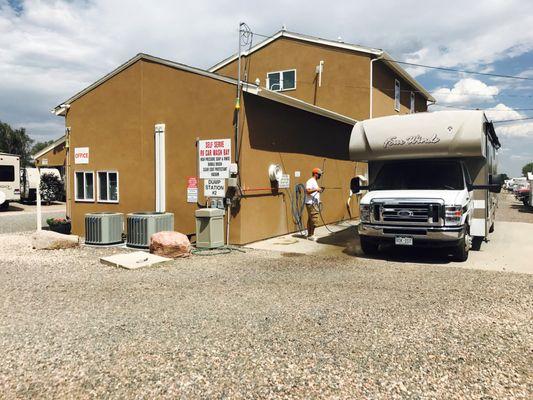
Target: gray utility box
[(209, 228), (104, 228), (142, 225)]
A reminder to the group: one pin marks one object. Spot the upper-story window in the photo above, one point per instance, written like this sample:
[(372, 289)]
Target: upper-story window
[(397, 95), (281, 80), (412, 104)]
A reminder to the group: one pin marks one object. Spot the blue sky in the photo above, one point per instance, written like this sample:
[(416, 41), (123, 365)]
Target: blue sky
[(51, 49)]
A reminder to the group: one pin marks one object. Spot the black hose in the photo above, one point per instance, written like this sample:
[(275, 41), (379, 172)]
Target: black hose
[(298, 206)]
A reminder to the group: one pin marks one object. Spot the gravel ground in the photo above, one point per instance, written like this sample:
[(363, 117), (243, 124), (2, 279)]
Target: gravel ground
[(512, 210), (22, 217), (259, 325)]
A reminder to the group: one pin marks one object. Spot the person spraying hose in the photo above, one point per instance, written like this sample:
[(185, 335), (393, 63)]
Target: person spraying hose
[(312, 202)]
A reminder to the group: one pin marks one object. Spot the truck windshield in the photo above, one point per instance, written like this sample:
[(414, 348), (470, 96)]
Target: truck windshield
[(420, 175)]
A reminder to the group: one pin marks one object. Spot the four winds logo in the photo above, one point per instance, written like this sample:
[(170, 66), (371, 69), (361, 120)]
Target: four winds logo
[(411, 140)]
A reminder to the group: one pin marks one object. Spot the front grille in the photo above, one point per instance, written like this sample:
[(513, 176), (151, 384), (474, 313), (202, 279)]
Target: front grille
[(419, 212)]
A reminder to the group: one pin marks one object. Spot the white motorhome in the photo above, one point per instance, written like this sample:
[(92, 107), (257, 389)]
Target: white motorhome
[(30, 181), (9, 179), (431, 180)]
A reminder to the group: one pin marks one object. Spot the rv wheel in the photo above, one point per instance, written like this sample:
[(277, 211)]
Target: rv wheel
[(462, 249), (369, 246), (4, 206)]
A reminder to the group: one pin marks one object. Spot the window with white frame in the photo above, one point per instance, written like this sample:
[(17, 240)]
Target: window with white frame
[(412, 104), (108, 186), (281, 80), (397, 95), (84, 189)]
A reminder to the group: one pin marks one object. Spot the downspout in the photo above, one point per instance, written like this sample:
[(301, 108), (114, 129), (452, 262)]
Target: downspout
[(372, 83)]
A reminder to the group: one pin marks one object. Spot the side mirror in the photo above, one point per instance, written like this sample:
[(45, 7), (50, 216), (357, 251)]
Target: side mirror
[(355, 185), (496, 182)]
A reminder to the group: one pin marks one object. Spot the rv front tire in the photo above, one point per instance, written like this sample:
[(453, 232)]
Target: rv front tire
[(463, 248), (4, 206)]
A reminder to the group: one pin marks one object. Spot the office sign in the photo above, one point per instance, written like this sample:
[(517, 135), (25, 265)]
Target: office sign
[(214, 187), (81, 155), (214, 158)]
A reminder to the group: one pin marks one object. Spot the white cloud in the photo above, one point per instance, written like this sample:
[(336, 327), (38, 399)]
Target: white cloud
[(501, 112), (466, 91), (51, 49)]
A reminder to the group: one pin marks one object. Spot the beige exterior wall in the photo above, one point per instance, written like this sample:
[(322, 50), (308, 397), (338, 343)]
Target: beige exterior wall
[(55, 157), (345, 79)]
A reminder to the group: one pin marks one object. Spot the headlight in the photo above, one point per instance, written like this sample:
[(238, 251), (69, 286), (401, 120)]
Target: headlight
[(365, 212), (454, 215)]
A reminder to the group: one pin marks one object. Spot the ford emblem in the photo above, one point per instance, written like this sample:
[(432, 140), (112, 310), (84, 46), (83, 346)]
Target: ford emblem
[(405, 213)]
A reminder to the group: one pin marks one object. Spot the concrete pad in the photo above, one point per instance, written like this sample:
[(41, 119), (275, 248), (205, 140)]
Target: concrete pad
[(509, 248), (327, 243), (135, 260)]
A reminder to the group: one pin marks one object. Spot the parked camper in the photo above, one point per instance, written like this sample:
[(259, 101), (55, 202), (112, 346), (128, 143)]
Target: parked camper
[(9, 179), (30, 181), (432, 179)]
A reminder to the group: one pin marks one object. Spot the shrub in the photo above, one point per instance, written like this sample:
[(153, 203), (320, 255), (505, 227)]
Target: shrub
[(51, 188)]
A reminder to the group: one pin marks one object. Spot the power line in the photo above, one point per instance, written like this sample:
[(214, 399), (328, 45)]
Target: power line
[(442, 68), (512, 120), (464, 71)]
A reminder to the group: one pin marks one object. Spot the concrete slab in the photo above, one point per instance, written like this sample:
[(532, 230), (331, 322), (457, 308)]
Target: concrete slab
[(510, 248), (135, 260)]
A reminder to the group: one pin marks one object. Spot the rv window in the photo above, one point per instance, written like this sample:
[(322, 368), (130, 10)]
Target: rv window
[(7, 173), (397, 95), (108, 186), (84, 187), (281, 80), (420, 175)]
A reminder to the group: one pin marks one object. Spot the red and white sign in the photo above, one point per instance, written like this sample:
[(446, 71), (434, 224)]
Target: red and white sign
[(214, 158), (81, 155), (192, 189)]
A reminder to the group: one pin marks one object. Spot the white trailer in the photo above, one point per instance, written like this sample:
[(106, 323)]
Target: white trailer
[(30, 181), (9, 179), (432, 180)]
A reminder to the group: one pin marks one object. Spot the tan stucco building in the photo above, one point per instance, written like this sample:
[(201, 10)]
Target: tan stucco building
[(53, 156), (112, 141)]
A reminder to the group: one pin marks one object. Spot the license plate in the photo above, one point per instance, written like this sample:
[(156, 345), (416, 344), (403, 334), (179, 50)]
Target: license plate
[(403, 241)]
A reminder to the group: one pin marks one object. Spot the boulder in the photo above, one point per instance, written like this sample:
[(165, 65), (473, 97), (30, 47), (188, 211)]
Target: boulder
[(48, 240), (170, 244)]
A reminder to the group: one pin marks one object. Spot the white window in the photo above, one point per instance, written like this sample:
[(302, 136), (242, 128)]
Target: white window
[(412, 105), (281, 80), (108, 186), (397, 95), (84, 189)]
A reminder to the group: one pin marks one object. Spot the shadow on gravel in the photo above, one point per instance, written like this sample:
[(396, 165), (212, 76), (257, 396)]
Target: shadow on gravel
[(522, 208)]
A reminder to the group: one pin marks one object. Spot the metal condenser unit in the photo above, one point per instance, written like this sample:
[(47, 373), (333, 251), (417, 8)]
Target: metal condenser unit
[(142, 225), (104, 228)]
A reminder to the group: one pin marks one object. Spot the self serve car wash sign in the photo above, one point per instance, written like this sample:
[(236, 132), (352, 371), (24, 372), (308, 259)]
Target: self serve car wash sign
[(81, 155), (214, 158)]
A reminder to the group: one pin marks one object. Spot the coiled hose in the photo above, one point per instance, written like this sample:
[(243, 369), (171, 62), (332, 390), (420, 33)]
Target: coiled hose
[(298, 206)]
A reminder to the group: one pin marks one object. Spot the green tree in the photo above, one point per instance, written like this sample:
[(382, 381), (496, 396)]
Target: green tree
[(37, 147), (527, 168), (16, 141)]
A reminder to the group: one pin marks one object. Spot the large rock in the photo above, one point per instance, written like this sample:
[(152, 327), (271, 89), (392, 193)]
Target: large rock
[(49, 240), (170, 244)]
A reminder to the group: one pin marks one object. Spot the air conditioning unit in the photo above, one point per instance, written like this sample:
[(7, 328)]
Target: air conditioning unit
[(142, 225), (104, 228)]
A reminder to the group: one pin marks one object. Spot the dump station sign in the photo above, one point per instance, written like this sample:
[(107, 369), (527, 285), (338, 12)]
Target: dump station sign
[(214, 158), (214, 187)]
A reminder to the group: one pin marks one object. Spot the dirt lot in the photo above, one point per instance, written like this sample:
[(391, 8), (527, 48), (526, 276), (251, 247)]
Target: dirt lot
[(259, 325), (512, 210)]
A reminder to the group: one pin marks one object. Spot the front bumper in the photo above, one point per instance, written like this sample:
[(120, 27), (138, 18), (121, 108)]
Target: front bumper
[(446, 236)]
